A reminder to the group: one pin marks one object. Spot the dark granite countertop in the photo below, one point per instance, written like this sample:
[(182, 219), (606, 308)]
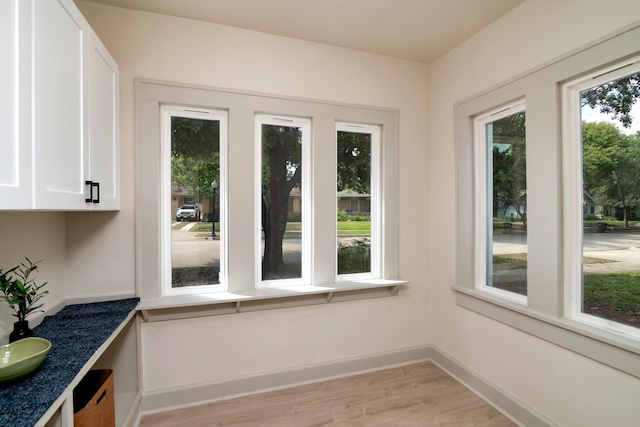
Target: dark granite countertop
[(76, 332)]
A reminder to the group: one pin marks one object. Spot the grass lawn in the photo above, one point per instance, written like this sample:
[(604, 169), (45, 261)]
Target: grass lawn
[(344, 227), (615, 291), (510, 261), (518, 261), (614, 296), (610, 222), (354, 227), (203, 226)]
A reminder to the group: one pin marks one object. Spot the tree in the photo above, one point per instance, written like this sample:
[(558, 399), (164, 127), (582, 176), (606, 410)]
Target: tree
[(354, 173), (509, 164), (195, 163), (611, 166), (615, 98), (354, 162), (195, 154), (281, 173)]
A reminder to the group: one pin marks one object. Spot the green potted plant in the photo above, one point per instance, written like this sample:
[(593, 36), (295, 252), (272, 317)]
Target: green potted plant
[(22, 294)]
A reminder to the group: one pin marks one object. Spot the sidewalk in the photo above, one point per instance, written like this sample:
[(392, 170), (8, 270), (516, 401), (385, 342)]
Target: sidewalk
[(622, 260)]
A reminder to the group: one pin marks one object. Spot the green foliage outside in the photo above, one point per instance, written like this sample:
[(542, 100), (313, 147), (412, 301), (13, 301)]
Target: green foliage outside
[(281, 173), (354, 256), (354, 162), (195, 163), (509, 177), (195, 155), (619, 292), (294, 217), (611, 161), (346, 216), (194, 276), (615, 98)]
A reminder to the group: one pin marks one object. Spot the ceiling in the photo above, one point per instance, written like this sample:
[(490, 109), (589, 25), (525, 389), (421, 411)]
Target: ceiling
[(417, 30)]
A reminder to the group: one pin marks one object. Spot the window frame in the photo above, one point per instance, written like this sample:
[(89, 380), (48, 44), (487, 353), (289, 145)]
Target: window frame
[(544, 315), (168, 111), (242, 294), (306, 249), (482, 226), (573, 185), (375, 209)]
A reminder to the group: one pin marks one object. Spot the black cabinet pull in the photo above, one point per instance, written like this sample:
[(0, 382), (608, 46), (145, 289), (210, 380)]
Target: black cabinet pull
[(97, 185), (91, 185)]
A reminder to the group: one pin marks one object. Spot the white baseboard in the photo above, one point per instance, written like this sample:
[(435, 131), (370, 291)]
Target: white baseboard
[(511, 407), (133, 416), (159, 401), (164, 400)]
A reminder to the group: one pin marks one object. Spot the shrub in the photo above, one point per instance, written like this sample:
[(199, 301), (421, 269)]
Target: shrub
[(354, 256), (294, 216), (347, 216), (194, 276)]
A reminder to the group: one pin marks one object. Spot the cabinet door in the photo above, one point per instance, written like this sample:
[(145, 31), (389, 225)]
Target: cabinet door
[(103, 124), (60, 35), (15, 106)]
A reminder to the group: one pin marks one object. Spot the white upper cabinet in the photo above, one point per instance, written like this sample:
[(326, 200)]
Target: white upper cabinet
[(60, 37), (63, 150), (104, 157), (16, 183)]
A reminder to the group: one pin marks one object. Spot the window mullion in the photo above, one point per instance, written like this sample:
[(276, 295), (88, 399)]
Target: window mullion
[(241, 206), (324, 188)]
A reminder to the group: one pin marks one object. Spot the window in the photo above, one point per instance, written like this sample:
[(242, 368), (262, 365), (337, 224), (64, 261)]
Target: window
[(502, 189), (603, 142), (193, 159), (358, 200), (284, 221), (577, 183), (224, 178)]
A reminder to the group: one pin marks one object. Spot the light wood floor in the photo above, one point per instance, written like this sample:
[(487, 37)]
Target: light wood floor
[(415, 395)]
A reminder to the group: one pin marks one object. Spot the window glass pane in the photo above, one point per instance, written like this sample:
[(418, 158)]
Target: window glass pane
[(611, 200), (354, 153), (507, 204), (195, 202), (282, 206)]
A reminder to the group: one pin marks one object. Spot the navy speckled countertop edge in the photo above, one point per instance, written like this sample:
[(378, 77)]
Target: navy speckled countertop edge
[(76, 332)]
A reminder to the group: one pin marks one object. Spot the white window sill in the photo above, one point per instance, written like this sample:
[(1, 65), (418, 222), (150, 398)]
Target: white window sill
[(217, 303)]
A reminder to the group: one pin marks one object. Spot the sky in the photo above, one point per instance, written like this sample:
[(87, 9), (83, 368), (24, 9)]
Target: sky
[(591, 115)]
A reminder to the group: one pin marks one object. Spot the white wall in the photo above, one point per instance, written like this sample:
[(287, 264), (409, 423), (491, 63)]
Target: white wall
[(203, 350), (568, 389), (37, 236)]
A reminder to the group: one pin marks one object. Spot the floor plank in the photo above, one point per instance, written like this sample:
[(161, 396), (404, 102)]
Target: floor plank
[(419, 395)]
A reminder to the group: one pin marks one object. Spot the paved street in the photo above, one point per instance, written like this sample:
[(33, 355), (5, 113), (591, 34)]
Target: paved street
[(187, 250), (620, 246)]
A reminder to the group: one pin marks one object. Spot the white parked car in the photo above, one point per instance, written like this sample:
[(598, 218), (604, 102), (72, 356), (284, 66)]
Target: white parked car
[(188, 213)]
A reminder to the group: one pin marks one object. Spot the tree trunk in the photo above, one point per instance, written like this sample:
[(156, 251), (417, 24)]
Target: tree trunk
[(274, 211)]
